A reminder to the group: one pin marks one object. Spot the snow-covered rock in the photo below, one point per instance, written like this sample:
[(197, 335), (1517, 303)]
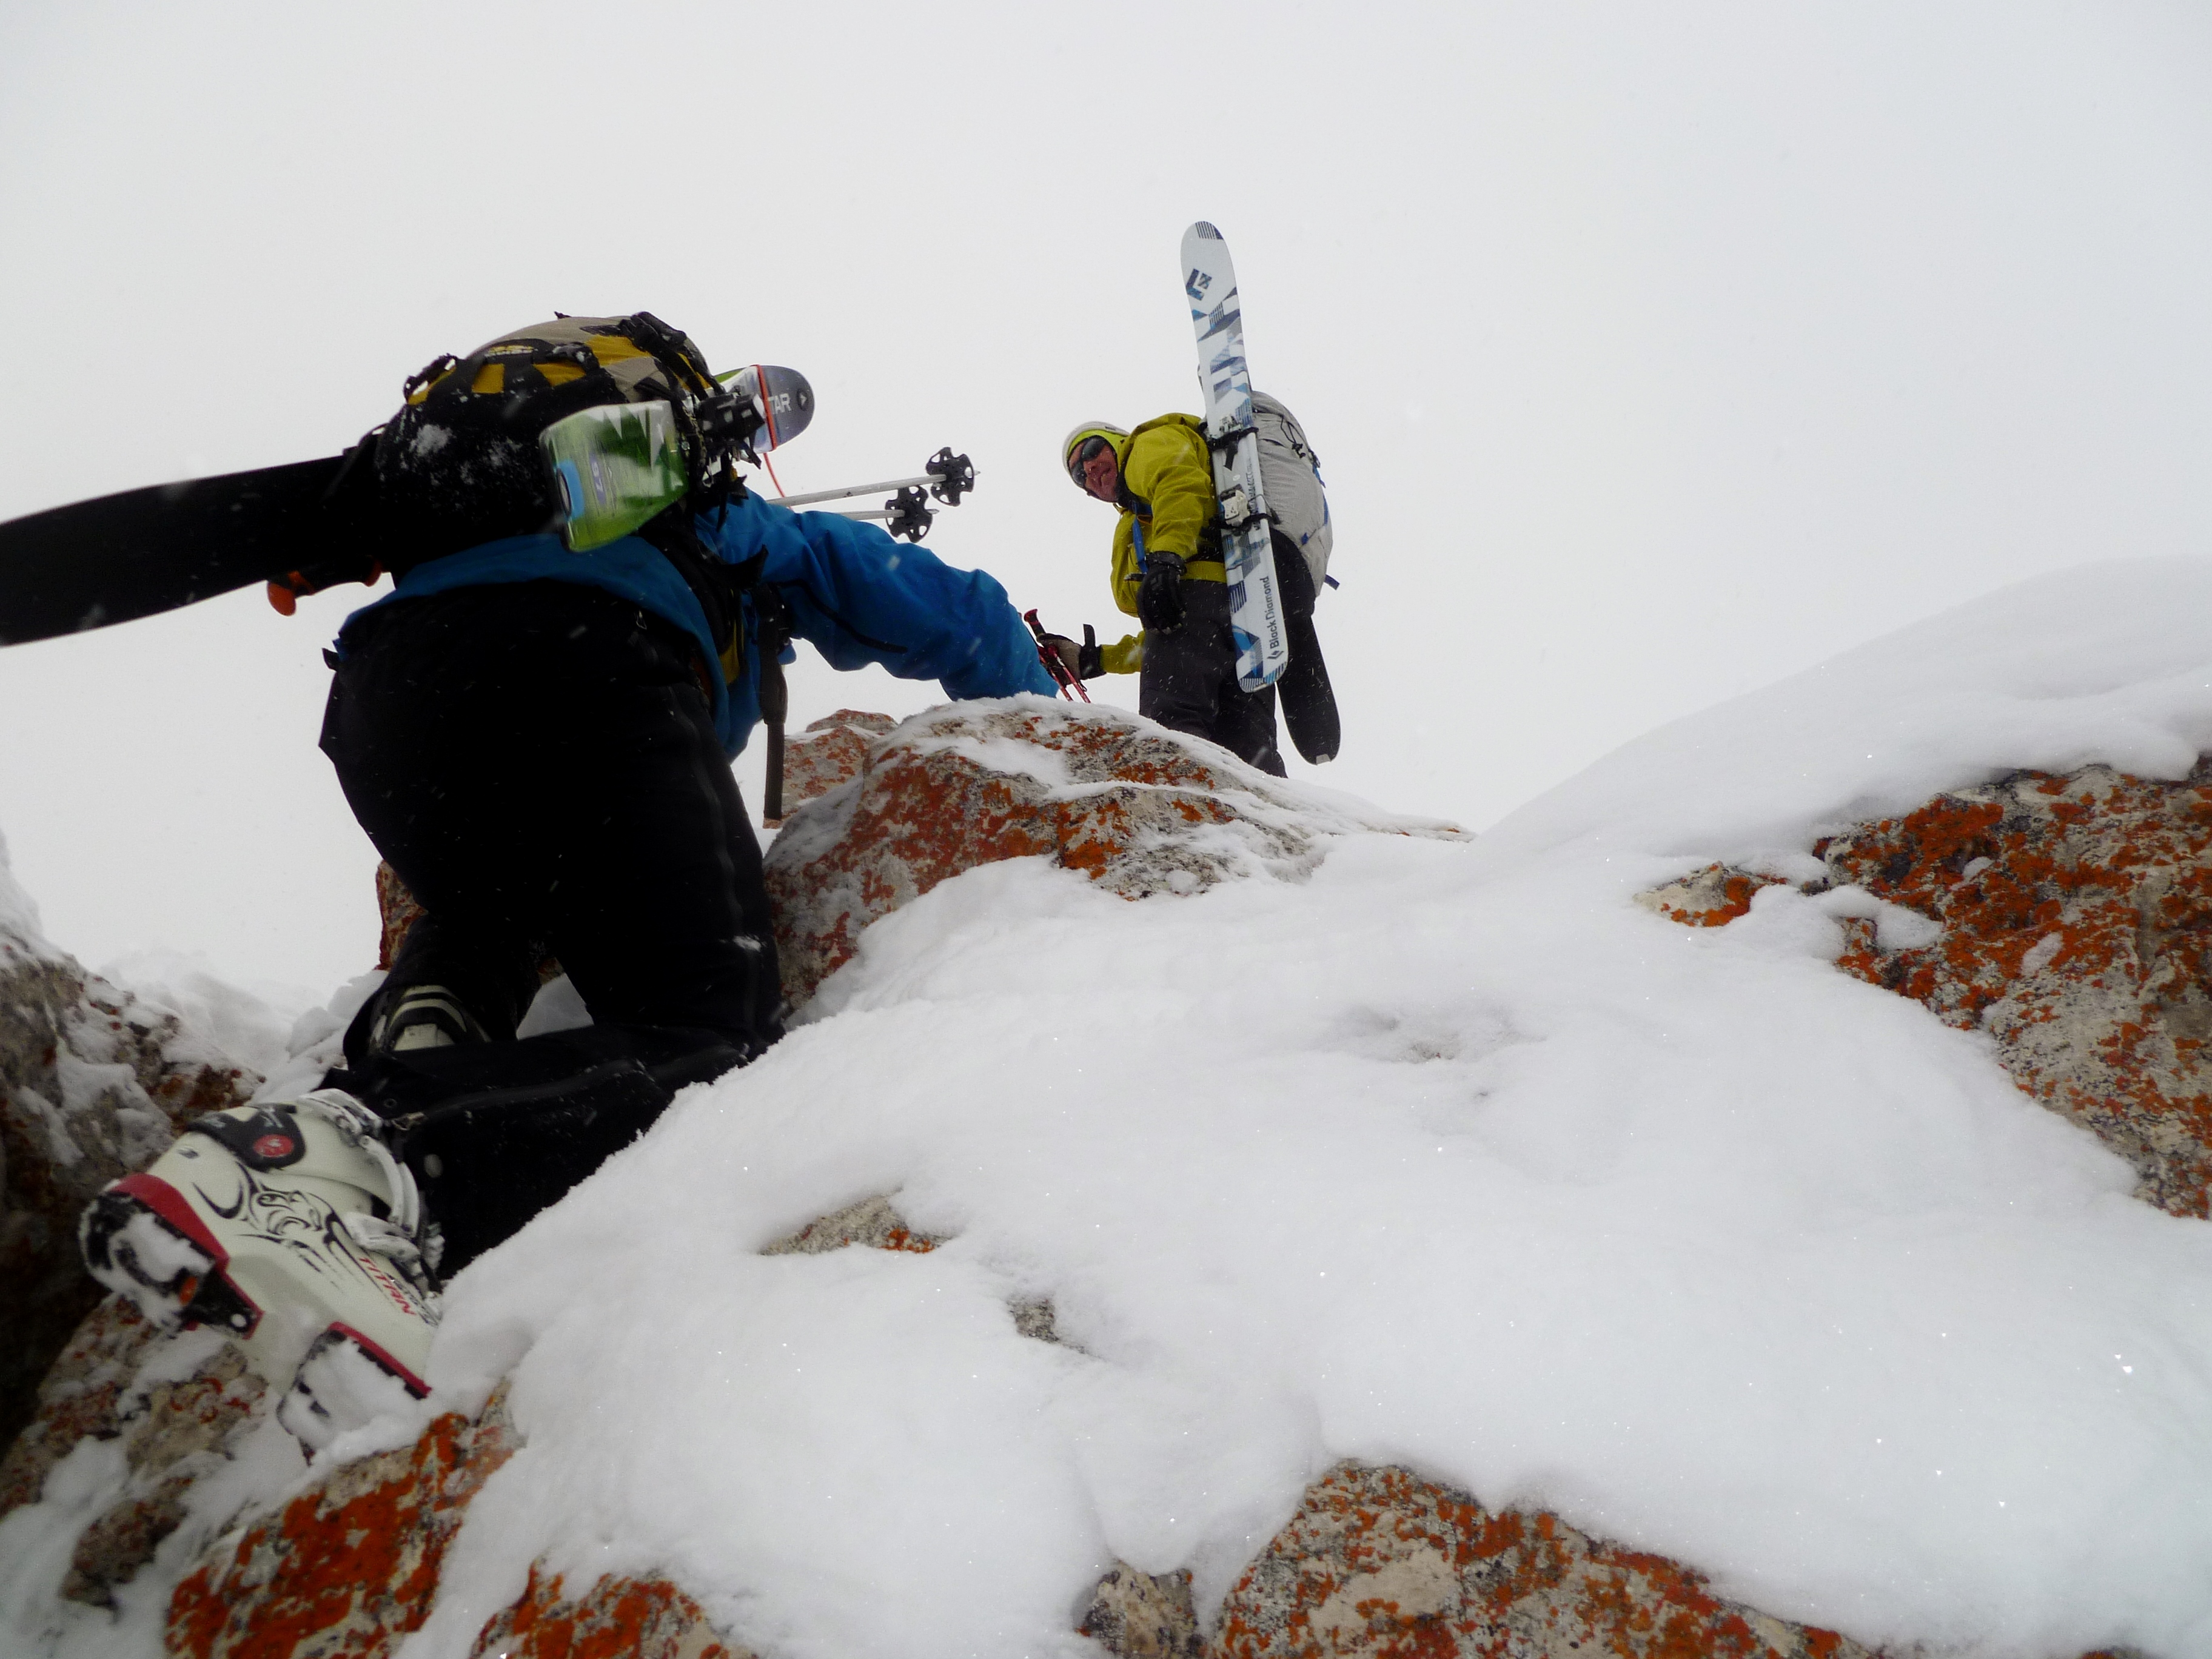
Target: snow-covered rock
[(94, 1082), (1138, 809), (348, 1566), (829, 753), (1412, 1246), (160, 1412), (2069, 919), (1378, 1562)]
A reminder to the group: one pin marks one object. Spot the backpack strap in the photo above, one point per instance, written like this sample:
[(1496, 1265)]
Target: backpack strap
[(722, 590)]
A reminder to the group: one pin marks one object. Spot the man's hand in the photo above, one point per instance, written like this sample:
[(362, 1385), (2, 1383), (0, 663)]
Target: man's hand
[(1160, 600), (1083, 660)]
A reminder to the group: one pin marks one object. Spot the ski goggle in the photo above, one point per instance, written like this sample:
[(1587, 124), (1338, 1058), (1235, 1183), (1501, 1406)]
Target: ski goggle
[(1081, 456)]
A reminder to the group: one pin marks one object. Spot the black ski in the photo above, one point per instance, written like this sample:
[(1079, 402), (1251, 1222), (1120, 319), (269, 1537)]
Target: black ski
[(118, 557), (1303, 692)]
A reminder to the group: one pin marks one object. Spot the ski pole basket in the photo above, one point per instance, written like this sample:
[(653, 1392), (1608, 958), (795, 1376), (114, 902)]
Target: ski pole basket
[(955, 475), (908, 514)]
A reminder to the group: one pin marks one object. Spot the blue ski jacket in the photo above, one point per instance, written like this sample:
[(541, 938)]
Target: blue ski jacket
[(856, 594)]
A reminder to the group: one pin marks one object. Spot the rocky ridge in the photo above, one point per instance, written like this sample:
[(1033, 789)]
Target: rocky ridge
[(1094, 789), (93, 1084), (2071, 929)]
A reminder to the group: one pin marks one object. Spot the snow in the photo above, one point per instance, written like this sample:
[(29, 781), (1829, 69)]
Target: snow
[(19, 915), (221, 1024), (1447, 1154)]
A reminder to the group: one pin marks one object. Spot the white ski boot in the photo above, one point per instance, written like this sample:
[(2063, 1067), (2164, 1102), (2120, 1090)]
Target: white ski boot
[(291, 1227)]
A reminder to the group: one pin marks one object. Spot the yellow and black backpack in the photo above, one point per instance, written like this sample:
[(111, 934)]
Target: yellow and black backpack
[(459, 463)]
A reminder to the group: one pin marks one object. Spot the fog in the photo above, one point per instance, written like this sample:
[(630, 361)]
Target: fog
[(1651, 353)]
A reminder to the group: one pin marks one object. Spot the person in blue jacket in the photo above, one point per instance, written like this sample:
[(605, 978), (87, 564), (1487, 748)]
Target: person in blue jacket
[(537, 740)]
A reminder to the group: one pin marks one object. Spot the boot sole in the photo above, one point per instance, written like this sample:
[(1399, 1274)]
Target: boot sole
[(346, 1381), (142, 1240)]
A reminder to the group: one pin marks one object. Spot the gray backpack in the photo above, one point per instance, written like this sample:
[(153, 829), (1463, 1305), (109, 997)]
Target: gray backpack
[(1290, 476)]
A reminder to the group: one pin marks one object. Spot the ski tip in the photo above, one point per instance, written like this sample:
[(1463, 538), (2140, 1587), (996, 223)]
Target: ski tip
[(1204, 232)]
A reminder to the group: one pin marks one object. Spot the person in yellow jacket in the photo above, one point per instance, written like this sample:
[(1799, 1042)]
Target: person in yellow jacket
[(1167, 573)]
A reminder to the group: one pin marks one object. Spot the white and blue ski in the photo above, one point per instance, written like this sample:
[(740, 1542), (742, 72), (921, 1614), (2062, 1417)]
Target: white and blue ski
[(1255, 599)]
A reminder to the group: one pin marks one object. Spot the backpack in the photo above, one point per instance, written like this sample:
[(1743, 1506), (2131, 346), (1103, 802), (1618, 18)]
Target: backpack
[(1290, 477), (459, 463)]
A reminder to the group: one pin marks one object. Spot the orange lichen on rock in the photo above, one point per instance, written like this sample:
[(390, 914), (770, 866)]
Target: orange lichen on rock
[(81, 1398), (1380, 1563), (2076, 919), (349, 1567), (1136, 808), (827, 754), (617, 1619), (398, 911), (872, 1224), (2077, 932), (1711, 898)]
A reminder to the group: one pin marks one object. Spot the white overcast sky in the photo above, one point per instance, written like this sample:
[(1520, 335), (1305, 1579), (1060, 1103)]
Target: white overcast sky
[(1653, 351)]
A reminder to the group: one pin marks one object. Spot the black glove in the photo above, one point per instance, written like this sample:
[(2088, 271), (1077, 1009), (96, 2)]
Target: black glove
[(1159, 601)]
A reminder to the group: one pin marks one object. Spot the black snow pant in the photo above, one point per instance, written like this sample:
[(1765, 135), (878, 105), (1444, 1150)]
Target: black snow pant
[(538, 761), (1188, 683)]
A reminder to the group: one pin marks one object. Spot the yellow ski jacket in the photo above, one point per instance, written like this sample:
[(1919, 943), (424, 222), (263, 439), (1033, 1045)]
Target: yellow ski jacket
[(1168, 506)]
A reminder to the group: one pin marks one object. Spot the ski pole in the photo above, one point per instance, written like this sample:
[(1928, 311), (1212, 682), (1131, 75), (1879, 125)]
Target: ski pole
[(946, 476), (1049, 656)]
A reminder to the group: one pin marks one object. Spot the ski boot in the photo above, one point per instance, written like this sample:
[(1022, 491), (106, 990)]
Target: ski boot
[(290, 1228)]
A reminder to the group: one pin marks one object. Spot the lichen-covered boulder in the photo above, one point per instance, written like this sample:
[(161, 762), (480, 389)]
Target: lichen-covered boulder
[(171, 1408), (1137, 808), (2077, 932), (2071, 922), (632, 1618), (1377, 1561), (349, 1567), (827, 754), (95, 1083)]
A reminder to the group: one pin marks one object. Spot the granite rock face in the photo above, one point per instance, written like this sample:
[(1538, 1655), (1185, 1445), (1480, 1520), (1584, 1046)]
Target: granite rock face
[(1138, 809), (2075, 918), (94, 1084)]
